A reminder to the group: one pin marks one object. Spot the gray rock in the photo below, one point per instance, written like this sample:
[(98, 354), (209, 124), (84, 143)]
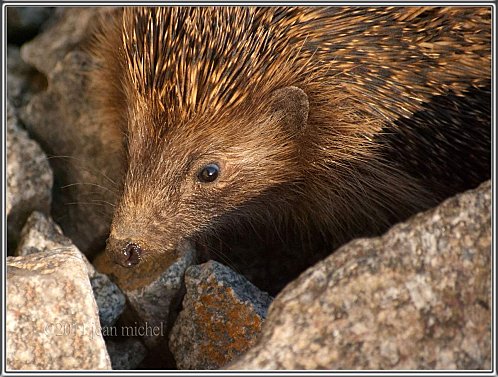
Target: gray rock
[(29, 178), (418, 297), (22, 79), (52, 319), (86, 153), (42, 234), (155, 303), (110, 300), (126, 354), (221, 318)]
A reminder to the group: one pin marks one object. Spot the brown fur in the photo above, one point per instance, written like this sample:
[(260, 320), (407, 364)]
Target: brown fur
[(190, 86)]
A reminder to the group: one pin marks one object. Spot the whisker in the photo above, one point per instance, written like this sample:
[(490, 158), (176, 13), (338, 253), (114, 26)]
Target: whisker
[(85, 166), (102, 203), (90, 184)]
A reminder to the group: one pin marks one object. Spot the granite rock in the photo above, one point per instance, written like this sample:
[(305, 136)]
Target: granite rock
[(126, 354), (39, 234), (221, 318), (29, 178), (418, 297), (52, 319), (42, 234), (110, 300)]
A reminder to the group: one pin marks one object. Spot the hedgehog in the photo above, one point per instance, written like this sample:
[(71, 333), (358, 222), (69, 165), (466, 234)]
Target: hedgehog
[(270, 136)]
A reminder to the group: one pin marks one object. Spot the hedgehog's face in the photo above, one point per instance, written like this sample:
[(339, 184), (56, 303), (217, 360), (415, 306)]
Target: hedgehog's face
[(203, 176)]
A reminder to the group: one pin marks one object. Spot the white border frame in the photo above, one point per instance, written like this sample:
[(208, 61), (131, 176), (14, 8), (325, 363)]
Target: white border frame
[(40, 3)]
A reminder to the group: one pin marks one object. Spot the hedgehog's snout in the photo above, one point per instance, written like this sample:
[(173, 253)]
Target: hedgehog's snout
[(124, 252), (131, 254)]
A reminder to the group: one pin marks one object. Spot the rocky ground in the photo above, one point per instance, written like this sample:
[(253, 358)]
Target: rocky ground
[(418, 297)]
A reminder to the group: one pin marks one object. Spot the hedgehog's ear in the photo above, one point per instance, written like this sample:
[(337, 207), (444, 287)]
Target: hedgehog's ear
[(291, 104)]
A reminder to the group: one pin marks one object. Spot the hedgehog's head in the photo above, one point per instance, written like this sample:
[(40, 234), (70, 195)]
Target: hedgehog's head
[(188, 179)]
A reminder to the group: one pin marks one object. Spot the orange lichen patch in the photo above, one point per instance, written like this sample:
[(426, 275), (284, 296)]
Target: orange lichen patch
[(230, 326)]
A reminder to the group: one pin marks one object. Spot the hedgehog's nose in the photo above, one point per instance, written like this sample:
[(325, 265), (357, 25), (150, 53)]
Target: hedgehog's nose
[(131, 254), (124, 252)]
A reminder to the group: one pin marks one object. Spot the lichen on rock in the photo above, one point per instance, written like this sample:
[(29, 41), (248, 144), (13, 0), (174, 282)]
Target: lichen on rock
[(221, 318)]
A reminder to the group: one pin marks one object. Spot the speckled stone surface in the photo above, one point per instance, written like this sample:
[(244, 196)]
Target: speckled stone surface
[(416, 298), (155, 303), (88, 159), (29, 177), (52, 319), (42, 234), (127, 354), (110, 300), (221, 318)]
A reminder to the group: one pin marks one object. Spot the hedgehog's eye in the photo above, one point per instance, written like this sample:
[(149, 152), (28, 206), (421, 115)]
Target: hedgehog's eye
[(209, 173)]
